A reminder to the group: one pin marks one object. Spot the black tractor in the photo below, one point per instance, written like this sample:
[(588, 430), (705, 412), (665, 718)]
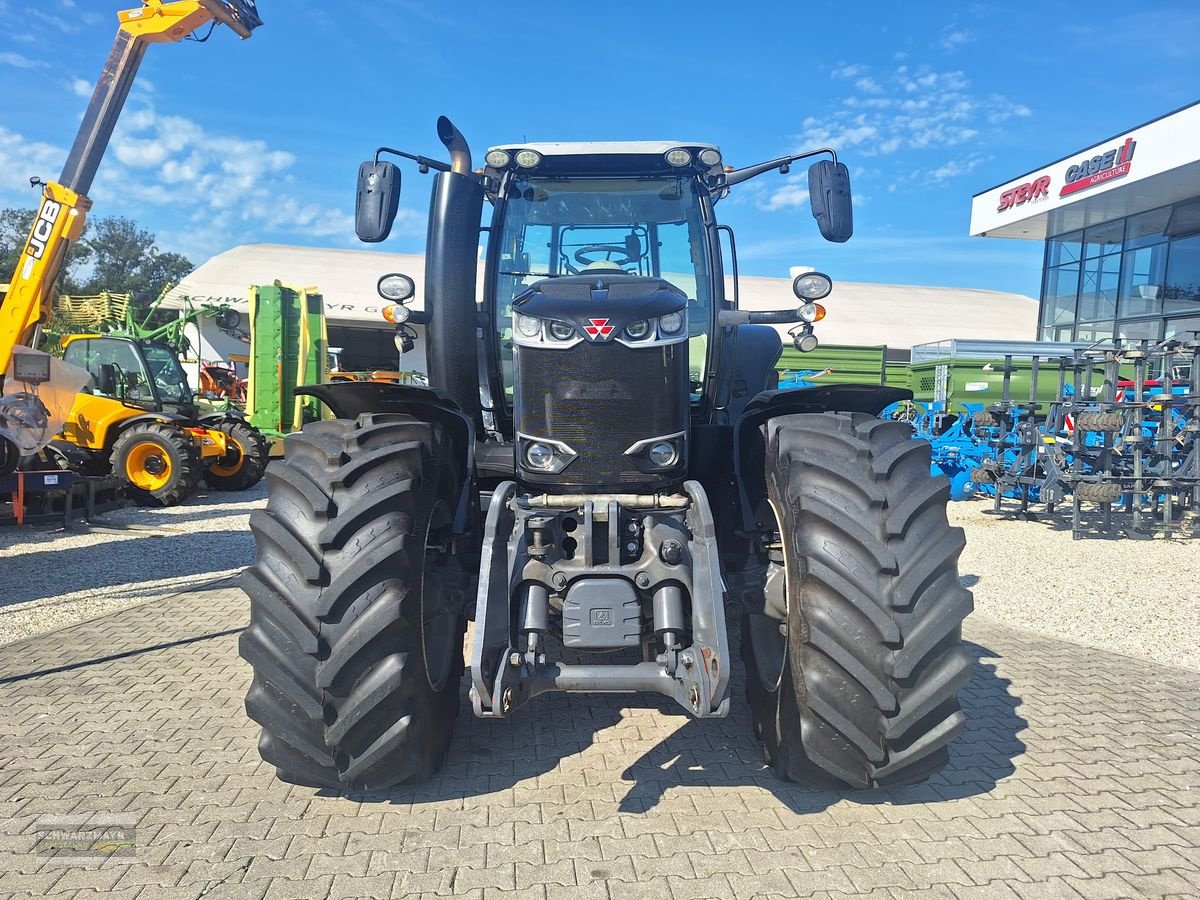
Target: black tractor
[(602, 471)]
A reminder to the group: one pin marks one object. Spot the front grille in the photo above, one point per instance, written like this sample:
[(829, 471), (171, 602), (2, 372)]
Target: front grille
[(600, 399)]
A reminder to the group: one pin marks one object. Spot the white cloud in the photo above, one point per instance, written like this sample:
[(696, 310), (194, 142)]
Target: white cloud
[(211, 190), (792, 194), (849, 71), (953, 168), (81, 87), (17, 61), (952, 38), (21, 159), (908, 108)]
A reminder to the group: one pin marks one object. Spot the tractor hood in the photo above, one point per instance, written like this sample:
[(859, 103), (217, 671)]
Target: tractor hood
[(601, 306)]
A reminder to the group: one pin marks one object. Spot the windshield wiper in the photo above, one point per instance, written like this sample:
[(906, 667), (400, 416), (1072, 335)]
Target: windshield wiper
[(535, 274)]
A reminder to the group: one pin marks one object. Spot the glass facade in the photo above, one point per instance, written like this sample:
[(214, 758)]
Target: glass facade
[(1137, 277)]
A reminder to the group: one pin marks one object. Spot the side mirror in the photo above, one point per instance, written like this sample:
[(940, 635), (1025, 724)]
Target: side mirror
[(106, 380), (377, 202), (829, 194)]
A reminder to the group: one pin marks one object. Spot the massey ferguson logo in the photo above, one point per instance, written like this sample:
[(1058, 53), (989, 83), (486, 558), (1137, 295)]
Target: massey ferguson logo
[(1099, 169), (43, 228), (598, 329)]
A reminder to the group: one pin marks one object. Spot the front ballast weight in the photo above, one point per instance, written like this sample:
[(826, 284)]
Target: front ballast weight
[(600, 573)]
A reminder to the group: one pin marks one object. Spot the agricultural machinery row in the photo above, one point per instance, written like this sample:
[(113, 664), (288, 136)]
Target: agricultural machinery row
[(1121, 434)]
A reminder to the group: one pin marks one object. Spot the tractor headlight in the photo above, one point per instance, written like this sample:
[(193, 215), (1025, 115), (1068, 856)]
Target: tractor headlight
[(671, 323), (662, 454), (528, 326), (562, 331), (396, 287), (678, 157), (539, 456), (812, 286), (527, 159), (710, 157), (397, 313), (497, 159), (811, 312), (638, 330)]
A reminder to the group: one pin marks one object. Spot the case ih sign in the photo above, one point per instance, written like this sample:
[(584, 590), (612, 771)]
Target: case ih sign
[(1099, 169), (1026, 193)]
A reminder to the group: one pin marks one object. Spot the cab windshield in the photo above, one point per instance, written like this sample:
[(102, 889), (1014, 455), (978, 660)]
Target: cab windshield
[(167, 374), (568, 226)]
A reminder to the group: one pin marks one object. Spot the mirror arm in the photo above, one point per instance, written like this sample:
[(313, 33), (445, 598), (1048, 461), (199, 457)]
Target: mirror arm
[(737, 176), (727, 317), (424, 162)]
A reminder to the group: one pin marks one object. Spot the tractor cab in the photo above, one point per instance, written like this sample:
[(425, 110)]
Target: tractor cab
[(616, 212), (142, 374)]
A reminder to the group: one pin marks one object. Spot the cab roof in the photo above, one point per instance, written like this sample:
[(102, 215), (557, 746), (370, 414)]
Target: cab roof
[(605, 148)]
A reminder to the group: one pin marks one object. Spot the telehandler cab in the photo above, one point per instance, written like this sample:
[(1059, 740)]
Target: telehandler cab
[(638, 472)]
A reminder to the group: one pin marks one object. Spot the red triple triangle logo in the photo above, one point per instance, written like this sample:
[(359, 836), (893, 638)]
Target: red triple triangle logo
[(598, 329)]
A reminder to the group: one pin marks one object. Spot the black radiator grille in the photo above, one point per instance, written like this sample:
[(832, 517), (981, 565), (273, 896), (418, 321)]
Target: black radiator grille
[(600, 399)]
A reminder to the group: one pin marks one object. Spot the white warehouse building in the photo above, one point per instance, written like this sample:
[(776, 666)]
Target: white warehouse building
[(898, 316)]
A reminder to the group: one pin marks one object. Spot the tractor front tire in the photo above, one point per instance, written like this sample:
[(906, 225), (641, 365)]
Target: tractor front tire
[(357, 653), (158, 462), (245, 459), (854, 667)]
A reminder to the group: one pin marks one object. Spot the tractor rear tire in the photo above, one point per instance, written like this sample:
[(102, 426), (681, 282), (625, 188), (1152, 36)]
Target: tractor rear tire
[(357, 656), (158, 462), (245, 461), (1098, 492), (1103, 422), (855, 666)]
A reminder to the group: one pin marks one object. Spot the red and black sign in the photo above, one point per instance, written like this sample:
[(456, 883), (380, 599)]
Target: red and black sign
[(1099, 169), (1026, 193), (598, 329)]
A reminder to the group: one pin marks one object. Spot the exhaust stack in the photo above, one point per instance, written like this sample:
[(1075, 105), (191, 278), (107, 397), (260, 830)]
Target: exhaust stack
[(460, 153), (451, 260)]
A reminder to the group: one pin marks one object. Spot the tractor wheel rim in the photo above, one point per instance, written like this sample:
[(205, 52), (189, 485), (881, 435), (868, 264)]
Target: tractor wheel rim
[(233, 461), (438, 627), (148, 467), (770, 644)]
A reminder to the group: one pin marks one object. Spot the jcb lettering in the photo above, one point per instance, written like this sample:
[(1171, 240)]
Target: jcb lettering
[(43, 228)]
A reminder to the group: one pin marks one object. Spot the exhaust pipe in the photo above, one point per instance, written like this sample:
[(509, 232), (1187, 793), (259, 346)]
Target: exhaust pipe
[(450, 267), (460, 153)]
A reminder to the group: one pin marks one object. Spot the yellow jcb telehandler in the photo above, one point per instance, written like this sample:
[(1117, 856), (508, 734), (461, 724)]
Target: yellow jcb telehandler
[(127, 415)]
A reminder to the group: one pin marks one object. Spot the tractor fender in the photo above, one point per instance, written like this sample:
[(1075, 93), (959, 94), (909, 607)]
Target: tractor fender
[(218, 418), (351, 399), (747, 434)]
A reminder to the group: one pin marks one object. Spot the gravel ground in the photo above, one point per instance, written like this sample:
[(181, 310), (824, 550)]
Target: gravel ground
[(1136, 597), (53, 578), (1140, 598)]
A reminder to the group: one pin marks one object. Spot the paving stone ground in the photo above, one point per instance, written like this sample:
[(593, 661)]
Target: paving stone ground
[(1078, 776)]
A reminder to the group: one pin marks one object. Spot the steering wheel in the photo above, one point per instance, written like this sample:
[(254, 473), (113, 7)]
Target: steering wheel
[(583, 253)]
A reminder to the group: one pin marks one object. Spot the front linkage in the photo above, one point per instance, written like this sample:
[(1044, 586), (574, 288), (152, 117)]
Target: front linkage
[(605, 564)]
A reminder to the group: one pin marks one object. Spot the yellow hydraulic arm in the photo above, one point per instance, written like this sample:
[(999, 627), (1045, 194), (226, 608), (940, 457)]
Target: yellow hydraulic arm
[(65, 205)]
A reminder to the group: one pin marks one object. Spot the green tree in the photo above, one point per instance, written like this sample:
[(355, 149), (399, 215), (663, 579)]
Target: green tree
[(114, 255), (126, 259)]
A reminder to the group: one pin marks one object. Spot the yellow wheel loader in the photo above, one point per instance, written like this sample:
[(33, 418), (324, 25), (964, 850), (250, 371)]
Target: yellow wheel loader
[(132, 414)]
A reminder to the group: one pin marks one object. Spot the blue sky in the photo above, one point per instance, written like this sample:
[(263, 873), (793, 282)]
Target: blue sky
[(227, 143)]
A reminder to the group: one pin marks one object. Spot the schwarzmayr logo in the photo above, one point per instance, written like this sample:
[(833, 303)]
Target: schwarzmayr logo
[(1099, 169)]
